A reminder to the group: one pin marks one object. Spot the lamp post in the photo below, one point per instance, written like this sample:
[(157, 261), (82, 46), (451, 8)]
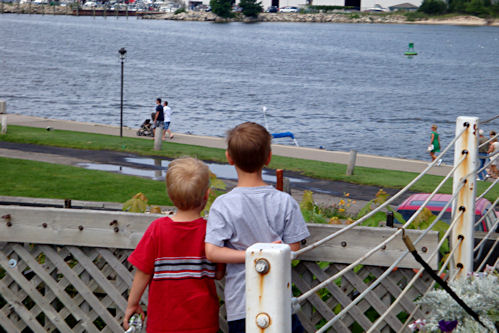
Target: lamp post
[(122, 53)]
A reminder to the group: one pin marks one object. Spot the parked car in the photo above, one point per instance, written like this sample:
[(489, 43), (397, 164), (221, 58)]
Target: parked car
[(437, 203), (272, 9), (289, 9)]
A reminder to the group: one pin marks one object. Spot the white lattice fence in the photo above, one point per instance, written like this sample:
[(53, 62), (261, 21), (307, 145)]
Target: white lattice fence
[(323, 306), (64, 270)]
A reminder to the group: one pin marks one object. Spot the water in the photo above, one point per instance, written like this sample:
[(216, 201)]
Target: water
[(340, 86), (156, 169)]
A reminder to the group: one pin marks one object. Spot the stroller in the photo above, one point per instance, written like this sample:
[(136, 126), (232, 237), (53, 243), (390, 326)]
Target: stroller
[(146, 128)]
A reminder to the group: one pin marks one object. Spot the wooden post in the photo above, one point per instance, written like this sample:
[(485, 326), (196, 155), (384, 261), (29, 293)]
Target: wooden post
[(158, 134), (3, 116), (279, 181), (351, 162)]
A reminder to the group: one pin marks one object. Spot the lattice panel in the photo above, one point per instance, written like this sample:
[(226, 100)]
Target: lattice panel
[(329, 301), (48, 288)]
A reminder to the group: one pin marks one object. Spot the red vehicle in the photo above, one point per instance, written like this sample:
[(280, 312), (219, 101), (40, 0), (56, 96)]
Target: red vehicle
[(437, 203)]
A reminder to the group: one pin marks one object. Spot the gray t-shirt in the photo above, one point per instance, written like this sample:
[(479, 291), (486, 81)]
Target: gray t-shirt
[(249, 215)]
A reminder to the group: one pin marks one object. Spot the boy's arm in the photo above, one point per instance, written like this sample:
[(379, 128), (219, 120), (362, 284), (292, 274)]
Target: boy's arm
[(295, 246), (220, 271), (224, 254), (139, 284)]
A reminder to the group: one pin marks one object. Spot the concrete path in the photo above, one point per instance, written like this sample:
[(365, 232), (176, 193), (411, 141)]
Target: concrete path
[(365, 160)]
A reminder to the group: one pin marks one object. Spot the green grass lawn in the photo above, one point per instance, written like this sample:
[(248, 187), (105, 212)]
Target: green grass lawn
[(316, 169), (46, 180)]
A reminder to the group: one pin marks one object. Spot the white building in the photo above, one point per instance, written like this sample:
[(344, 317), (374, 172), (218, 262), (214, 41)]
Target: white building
[(363, 4)]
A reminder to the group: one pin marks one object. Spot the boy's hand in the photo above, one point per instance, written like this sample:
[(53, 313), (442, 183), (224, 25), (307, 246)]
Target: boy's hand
[(129, 312)]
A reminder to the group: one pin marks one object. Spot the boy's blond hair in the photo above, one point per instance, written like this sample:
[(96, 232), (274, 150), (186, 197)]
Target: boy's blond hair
[(187, 181), (248, 145)]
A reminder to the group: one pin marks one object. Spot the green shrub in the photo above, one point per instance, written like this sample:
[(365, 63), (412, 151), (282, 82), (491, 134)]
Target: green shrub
[(251, 8), (180, 10), (222, 8), (433, 7)]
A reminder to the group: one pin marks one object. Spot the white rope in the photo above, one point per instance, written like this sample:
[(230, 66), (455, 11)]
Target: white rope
[(294, 255), (486, 236), (488, 255), (389, 270), (491, 209), (488, 141), (389, 239), (488, 189), (445, 264), (409, 285), (453, 277), (486, 165)]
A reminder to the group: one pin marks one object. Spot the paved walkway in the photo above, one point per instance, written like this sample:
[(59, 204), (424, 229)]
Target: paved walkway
[(365, 160)]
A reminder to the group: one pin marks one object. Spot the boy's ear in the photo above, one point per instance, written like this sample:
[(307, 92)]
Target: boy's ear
[(229, 159), (207, 194), (268, 159)]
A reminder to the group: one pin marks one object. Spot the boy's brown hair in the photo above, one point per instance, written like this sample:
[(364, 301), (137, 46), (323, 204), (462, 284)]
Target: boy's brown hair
[(187, 181), (248, 145)]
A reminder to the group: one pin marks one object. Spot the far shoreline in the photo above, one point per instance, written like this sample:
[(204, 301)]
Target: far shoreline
[(337, 17), (350, 18)]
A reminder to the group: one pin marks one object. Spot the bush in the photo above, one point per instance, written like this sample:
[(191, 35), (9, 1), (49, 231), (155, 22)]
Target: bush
[(180, 10), (251, 8), (433, 7), (222, 8)]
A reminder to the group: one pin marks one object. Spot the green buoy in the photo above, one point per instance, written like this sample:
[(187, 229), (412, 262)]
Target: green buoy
[(410, 51)]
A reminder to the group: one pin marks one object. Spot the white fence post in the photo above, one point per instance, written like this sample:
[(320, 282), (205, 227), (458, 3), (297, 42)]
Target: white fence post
[(268, 288), (467, 145)]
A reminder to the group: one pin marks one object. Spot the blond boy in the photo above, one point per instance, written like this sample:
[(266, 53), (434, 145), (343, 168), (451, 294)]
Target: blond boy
[(170, 258)]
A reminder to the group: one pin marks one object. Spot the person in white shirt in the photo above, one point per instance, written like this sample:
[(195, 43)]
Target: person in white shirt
[(168, 116)]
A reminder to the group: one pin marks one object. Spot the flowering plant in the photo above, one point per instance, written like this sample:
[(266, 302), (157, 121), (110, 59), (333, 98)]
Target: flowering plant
[(480, 291)]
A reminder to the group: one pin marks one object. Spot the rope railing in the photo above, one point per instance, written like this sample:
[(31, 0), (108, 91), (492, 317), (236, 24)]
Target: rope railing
[(484, 261), (488, 141), (389, 270), (386, 203), (432, 284), (414, 279), (486, 236), (379, 246), (488, 189), (489, 211), (486, 165)]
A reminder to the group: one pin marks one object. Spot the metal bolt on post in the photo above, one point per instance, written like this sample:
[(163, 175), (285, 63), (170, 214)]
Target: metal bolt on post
[(466, 145), (268, 288)]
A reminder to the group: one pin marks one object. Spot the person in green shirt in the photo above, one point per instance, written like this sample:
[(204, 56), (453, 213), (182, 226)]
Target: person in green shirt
[(435, 142)]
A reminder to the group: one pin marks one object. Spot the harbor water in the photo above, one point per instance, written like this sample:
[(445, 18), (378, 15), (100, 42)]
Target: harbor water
[(336, 86)]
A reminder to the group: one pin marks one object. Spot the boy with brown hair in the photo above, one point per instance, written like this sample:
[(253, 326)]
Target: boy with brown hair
[(253, 212), (171, 259)]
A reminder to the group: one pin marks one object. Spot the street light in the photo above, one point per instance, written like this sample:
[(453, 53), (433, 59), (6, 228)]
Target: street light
[(122, 53)]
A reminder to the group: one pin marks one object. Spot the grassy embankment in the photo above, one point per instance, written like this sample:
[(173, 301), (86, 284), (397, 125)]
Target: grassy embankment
[(37, 179)]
